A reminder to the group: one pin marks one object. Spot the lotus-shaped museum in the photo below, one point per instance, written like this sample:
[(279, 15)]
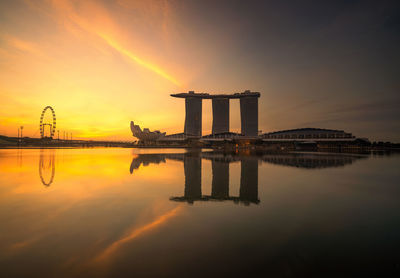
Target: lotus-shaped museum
[(146, 134)]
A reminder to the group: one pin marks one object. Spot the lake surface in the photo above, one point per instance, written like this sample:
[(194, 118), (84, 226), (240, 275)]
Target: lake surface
[(172, 213)]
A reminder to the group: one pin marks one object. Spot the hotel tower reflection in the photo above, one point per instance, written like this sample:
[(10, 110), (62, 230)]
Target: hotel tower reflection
[(220, 179)]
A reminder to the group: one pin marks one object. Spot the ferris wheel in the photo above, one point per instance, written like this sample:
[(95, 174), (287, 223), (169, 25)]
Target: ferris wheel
[(51, 125)]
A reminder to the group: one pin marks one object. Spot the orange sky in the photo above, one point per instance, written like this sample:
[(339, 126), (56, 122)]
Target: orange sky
[(97, 74), (101, 64)]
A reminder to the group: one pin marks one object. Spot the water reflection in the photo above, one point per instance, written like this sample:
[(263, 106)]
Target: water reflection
[(220, 175), (313, 160), (146, 160), (220, 179), (47, 166), (100, 221), (248, 193), (299, 160)]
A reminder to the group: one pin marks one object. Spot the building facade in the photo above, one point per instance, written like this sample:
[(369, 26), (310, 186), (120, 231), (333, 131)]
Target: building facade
[(308, 133)]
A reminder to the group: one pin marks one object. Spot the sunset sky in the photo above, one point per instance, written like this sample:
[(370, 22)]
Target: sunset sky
[(101, 64)]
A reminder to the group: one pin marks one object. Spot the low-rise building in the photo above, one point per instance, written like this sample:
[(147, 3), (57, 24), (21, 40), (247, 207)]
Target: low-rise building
[(308, 133)]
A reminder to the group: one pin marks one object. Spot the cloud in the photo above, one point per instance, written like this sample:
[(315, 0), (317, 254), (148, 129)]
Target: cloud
[(161, 10), (22, 45), (96, 20), (154, 68), (134, 233)]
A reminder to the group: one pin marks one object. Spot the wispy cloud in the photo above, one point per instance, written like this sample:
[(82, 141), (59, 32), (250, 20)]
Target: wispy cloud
[(154, 68), (105, 33), (134, 233), (94, 19), (21, 45)]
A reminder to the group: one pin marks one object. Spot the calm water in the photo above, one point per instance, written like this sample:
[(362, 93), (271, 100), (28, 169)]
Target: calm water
[(167, 213)]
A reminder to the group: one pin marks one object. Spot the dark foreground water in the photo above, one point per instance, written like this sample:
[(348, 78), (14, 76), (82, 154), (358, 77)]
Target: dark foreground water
[(163, 213)]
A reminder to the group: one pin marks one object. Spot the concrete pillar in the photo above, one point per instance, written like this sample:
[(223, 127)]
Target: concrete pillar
[(249, 181), (192, 169), (249, 115), (220, 108), (220, 179), (193, 118)]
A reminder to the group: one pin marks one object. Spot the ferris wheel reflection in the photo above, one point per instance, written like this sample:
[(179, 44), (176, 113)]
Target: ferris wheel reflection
[(47, 167)]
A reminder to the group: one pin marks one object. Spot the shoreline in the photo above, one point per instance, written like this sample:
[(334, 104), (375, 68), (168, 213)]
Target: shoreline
[(249, 150)]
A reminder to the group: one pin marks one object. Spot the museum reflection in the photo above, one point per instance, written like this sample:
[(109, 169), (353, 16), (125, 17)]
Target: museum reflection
[(248, 192)]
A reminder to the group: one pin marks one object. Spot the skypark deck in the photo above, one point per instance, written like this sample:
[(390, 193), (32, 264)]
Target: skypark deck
[(191, 94)]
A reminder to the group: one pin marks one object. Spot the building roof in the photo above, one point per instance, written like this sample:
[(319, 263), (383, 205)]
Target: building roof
[(175, 134), (306, 130), (208, 96), (228, 133)]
